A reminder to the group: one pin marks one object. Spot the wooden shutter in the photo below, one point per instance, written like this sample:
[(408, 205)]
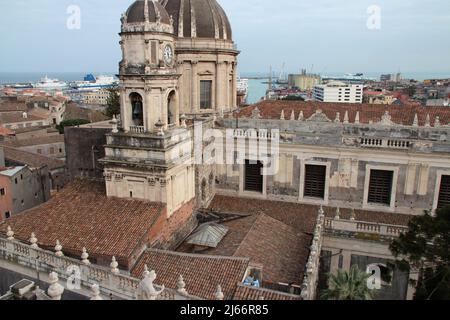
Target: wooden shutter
[(444, 192), (315, 181), (380, 187), (253, 176)]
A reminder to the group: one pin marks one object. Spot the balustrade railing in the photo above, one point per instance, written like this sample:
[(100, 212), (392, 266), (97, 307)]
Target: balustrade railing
[(119, 285), (384, 143), (364, 227), (137, 129)]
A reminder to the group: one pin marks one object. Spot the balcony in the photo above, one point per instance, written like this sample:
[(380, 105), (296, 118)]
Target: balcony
[(364, 229), (137, 129)]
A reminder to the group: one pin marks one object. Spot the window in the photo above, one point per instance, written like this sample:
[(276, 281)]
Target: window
[(315, 181), (7, 215), (380, 187), (137, 111), (2, 191), (253, 176), (22, 202), (15, 180), (39, 151), (60, 150), (52, 150), (205, 94), (444, 192)]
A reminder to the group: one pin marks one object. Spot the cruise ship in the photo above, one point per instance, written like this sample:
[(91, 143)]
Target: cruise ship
[(47, 83), (91, 82), (242, 87)]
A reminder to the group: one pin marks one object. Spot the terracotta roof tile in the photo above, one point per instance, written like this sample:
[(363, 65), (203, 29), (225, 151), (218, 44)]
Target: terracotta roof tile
[(31, 159), (82, 216), (202, 274), (282, 250), (368, 112), (298, 215), (17, 117), (35, 141), (251, 293)]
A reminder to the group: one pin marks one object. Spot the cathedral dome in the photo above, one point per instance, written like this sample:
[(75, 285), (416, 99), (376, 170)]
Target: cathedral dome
[(142, 11), (198, 19)]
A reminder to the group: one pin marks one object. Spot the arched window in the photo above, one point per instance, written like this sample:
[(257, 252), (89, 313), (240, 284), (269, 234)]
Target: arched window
[(137, 110), (171, 108)]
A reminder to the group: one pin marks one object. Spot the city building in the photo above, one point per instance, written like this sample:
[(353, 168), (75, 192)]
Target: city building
[(49, 145), (96, 97), (22, 188), (333, 184), (338, 92), (378, 97), (56, 168), (304, 81)]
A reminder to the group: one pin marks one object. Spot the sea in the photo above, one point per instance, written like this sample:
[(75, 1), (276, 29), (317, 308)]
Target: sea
[(257, 87)]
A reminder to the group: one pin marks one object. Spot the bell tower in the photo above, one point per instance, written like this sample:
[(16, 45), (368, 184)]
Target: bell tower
[(149, 92), (148, 156)]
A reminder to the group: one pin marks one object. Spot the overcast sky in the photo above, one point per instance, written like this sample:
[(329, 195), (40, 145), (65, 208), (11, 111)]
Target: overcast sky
[(331, 35)]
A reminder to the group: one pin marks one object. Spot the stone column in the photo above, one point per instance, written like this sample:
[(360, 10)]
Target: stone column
[(234, 85), (195, 94), (220, 85), (125, 110), (148, 125)]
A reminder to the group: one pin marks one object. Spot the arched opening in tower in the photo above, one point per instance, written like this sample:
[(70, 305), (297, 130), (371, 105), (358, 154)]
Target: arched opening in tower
[(171, 108), (137, 110)]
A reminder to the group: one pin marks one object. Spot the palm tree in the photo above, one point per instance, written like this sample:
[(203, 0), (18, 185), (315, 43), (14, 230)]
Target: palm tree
[(350, 285)]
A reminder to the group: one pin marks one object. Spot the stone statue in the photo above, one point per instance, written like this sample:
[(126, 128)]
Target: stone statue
[(146, 289)]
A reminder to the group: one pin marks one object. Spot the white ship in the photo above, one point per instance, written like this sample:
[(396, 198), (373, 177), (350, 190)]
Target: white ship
[(47, 83), (242, 87), (92, 82)]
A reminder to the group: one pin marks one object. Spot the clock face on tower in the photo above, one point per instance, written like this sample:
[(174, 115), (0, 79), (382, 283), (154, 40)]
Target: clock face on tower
[(168, 54)]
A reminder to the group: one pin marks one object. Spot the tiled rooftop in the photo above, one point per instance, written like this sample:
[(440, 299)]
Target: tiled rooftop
[(300, 216), (368, 112), (32, 160), (35, 141), (251, 293), (202, 273), (17, 117), (82, 216)]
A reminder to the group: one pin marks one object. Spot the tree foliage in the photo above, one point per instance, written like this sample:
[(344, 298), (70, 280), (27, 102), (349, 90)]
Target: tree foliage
[(113, 103), (350, 285), (426, 247), (71, 123), (293, 98)]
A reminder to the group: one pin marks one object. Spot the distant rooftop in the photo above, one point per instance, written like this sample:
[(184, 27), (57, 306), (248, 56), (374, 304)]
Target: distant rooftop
[(10, 172)]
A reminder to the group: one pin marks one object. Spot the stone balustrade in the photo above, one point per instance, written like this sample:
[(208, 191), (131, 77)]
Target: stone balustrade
[(17, 255), (384, 143), (385, 230), (311, 277), (137, 129), (260, 134)]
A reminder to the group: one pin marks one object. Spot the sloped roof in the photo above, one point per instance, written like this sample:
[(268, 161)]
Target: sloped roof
[(31, 159), (368, 112), (35, 141), (202, 273), (82, 216), (244, 292)]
